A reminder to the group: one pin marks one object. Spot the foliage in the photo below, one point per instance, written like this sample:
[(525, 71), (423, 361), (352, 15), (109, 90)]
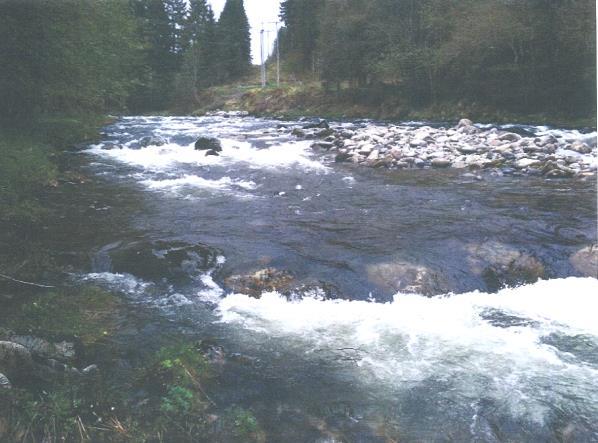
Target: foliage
[(242, 425), (521, 57), (107, 407), (87, 313), (25, 169), (64, 57), (234, 41)]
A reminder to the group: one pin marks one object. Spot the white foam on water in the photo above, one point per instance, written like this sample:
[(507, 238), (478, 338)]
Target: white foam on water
[(122, 282), (225, 184), (413, 339), (211, 293), (169, 156), (283, 155)]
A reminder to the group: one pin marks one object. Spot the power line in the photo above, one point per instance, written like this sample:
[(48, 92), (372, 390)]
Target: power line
[(263, 60)]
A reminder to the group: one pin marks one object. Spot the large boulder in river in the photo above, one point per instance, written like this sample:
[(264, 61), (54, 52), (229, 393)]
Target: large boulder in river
[(172, 262), (208, 144), (264, 280), (406, 278), (502, 265), (585, 261)]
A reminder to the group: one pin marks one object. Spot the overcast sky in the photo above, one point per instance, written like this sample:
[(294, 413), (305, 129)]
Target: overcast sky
[(258, 11)]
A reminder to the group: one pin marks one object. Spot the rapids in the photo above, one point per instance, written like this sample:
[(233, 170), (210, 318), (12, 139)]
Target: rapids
[(472, 363)]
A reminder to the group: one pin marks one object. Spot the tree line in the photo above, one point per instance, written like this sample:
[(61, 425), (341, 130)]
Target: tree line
[(70, 56), (73, 56), (519, 55)]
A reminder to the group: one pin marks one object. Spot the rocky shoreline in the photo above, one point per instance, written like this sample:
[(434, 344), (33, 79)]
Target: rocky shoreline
[(465, 146)]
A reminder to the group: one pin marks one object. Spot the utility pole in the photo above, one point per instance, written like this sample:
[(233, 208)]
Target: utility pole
[(267, 42), (277, 57), (263, 67)]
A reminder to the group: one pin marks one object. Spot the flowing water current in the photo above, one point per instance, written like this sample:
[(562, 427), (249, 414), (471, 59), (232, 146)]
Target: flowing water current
[(483, 363)]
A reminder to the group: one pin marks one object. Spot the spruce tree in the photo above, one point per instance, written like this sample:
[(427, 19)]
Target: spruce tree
[(302, 28), (234, 41), (177, 20), (199, 68)]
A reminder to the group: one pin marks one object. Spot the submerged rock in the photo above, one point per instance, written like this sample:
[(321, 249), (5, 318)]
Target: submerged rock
[(264, 280), (212, 152), (501, 265), (208, 144), (319, 290), (152, 140), (162, 261), (585, 261), (407, 278), (297, 132)]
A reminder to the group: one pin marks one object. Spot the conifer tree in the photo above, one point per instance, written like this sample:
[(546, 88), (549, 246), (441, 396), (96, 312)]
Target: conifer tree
[(176, 11), (302, 29), (234, 41), (199, 65)]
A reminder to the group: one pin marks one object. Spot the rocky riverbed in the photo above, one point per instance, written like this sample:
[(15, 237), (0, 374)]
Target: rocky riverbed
[(325, 300), (498, 151)]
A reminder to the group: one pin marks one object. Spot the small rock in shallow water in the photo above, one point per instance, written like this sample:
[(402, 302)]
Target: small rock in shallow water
[(153, 140), (585, 261), (502, 265), (441, 163), (510, 136), (464, 122), (298, 132), (4, 382), (406, 278), (264, 280)]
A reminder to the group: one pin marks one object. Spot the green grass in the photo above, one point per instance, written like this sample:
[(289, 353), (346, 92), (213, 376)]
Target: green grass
[(26, 167), (88, 314), (292, 100)]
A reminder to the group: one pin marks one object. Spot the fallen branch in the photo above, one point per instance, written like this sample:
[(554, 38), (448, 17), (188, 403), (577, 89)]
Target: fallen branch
[(6, 277)]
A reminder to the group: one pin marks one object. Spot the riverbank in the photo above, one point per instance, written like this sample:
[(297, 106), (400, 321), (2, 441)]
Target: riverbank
[(301, 99), (74, 365)]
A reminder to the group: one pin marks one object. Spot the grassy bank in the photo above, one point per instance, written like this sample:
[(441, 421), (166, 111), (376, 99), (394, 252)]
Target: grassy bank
[(312, 99), (30, 166), (158, 394), (109, 388)]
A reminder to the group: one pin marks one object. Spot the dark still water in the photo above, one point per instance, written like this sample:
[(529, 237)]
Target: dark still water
[(485, 364)]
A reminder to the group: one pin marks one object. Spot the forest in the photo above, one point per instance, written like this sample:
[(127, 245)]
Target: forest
[(138, 56), (524, 56), (71, 56)]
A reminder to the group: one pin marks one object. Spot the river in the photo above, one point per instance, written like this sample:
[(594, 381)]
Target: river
[(484, 363)]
